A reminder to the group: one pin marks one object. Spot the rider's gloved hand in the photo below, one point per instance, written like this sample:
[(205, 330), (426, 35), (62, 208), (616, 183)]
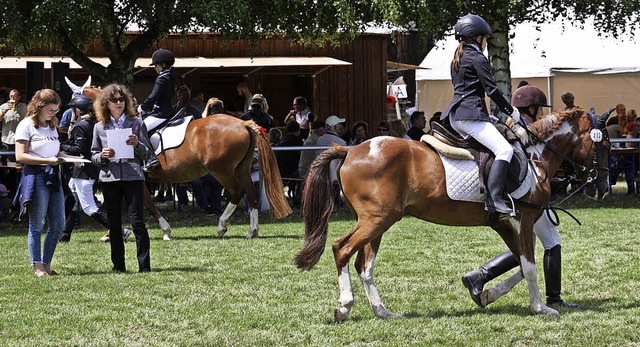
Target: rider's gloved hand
[(509, 122), (522, 134), (515, 115)]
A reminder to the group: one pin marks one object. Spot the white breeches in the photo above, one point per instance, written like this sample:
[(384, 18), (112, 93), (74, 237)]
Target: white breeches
[(546, 232), (82, 189), (487, 134)]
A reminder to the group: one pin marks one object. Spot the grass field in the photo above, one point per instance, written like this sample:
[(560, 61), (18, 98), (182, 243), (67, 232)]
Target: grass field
[(205, 291)]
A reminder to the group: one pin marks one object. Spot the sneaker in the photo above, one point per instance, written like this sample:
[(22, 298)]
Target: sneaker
[(126, 232), (106, 237)]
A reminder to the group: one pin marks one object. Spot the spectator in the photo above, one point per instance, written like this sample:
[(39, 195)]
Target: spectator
[(246, 95), (40, 193), (568, 100), (331, 138), (11, 113), (383, 128), (301, 114), (213, 106), (184, 102), (211, 203), (360, 133), (343, 131), (122, 179), (197, 100), (418, 123), (275, 137), (306, 157), (288, 160), (398, 129), (621, 113), (258, 113)]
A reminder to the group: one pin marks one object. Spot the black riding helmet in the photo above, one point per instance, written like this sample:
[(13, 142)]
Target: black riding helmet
[(82, 102), (163, 56), (470, 26)]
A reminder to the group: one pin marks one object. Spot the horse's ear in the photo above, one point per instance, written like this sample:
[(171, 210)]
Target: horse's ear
[(86, 84), (592, 112), (74, 88)]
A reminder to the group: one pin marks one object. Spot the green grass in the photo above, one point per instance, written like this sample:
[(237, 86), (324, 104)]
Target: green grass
[(204, 291)]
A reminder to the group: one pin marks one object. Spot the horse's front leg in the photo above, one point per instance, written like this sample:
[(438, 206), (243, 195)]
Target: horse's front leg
[(364, 265), (527, 261), (151, 208)]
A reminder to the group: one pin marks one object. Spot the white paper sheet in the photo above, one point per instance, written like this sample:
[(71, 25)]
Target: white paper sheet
[(116, 139)]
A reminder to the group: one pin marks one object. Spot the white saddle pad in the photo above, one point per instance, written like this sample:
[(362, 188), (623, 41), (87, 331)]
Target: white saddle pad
[(463, 181), (173, 136)]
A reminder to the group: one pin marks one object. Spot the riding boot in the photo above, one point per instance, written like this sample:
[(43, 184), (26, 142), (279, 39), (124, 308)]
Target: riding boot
[(552, 277), (496, 182), (476, 279), (69, 224), (101, 218)]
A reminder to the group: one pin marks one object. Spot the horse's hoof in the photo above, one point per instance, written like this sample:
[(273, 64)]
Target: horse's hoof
[(222, 231), (546, 310), (383, 313), (339, 316), (252, 235), (167, 236)]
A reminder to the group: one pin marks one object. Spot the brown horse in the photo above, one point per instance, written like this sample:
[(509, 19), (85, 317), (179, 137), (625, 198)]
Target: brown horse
[(386, 178), (223, 146)]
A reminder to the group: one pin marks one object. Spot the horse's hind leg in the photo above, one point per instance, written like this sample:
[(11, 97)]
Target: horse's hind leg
[(343, 249), (364, 265), (492, 294)]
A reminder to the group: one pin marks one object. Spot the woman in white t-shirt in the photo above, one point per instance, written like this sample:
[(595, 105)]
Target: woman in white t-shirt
[(38, 149)]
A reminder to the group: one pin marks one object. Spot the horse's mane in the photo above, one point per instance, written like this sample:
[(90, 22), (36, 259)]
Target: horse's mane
[(548, 124)]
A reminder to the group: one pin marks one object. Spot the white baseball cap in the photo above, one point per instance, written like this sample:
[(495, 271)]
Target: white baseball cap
[(333, 120)]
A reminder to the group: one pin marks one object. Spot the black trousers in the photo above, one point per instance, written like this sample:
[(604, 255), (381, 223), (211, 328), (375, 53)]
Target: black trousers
[(132, 192)]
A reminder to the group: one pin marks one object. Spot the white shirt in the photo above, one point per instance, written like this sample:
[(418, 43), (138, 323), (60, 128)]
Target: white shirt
[(43, 141)]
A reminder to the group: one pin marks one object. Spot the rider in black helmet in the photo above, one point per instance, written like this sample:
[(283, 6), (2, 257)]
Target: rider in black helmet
[(472, 80), (158, 108), (529, 100)]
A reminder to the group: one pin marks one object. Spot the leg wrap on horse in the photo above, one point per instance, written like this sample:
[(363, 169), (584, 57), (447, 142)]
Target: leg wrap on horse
[(475, 280), (495, 185), (553, 277)]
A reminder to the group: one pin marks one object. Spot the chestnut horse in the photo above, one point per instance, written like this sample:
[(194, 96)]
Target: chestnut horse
[(386, 178), (223, 146)]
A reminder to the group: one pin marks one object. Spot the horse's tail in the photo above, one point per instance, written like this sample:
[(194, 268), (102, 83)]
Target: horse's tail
[(270, 174), (317, 205)]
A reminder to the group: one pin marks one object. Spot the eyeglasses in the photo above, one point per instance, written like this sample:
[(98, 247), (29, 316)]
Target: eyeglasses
[(52, 112), (117, 100), (383, 129)]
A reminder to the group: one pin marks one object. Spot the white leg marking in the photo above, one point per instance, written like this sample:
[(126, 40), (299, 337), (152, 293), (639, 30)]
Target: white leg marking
[(372, 293), (166, 228), (253, 224), (224, 219), (492, 294), (346, 295), (531, 275)]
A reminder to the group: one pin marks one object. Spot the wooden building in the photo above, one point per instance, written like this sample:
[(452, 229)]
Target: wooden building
[(351, 84)]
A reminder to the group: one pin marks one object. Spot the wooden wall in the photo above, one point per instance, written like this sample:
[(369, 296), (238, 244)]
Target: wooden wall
[(356, 92)]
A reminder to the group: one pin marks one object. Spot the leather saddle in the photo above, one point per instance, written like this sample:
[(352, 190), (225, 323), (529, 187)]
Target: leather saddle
[(483, 156)]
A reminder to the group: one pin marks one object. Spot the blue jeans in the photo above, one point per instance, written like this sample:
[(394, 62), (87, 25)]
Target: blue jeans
[(47, 205)]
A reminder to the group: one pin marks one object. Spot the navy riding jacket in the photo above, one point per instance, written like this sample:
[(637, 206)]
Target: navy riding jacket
[(470, 83), (159, 103)]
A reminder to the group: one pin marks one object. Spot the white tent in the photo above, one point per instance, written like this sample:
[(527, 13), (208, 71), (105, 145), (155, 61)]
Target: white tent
[(599, 71)]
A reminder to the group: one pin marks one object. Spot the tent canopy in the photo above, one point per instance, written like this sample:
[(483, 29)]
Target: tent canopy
[(556, 57)]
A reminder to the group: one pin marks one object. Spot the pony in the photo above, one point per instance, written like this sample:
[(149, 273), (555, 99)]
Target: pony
[(223, 146), (385, 178)]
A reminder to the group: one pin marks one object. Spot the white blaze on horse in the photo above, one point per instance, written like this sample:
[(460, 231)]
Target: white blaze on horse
[(386, 178)]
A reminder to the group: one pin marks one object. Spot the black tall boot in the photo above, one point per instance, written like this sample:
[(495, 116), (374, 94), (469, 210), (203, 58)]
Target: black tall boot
[(101, 218), (553, 277), (69, 224), (496, 182), (476, 279)]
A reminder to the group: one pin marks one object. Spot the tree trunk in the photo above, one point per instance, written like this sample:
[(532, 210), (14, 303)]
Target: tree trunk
[(498, 48)]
